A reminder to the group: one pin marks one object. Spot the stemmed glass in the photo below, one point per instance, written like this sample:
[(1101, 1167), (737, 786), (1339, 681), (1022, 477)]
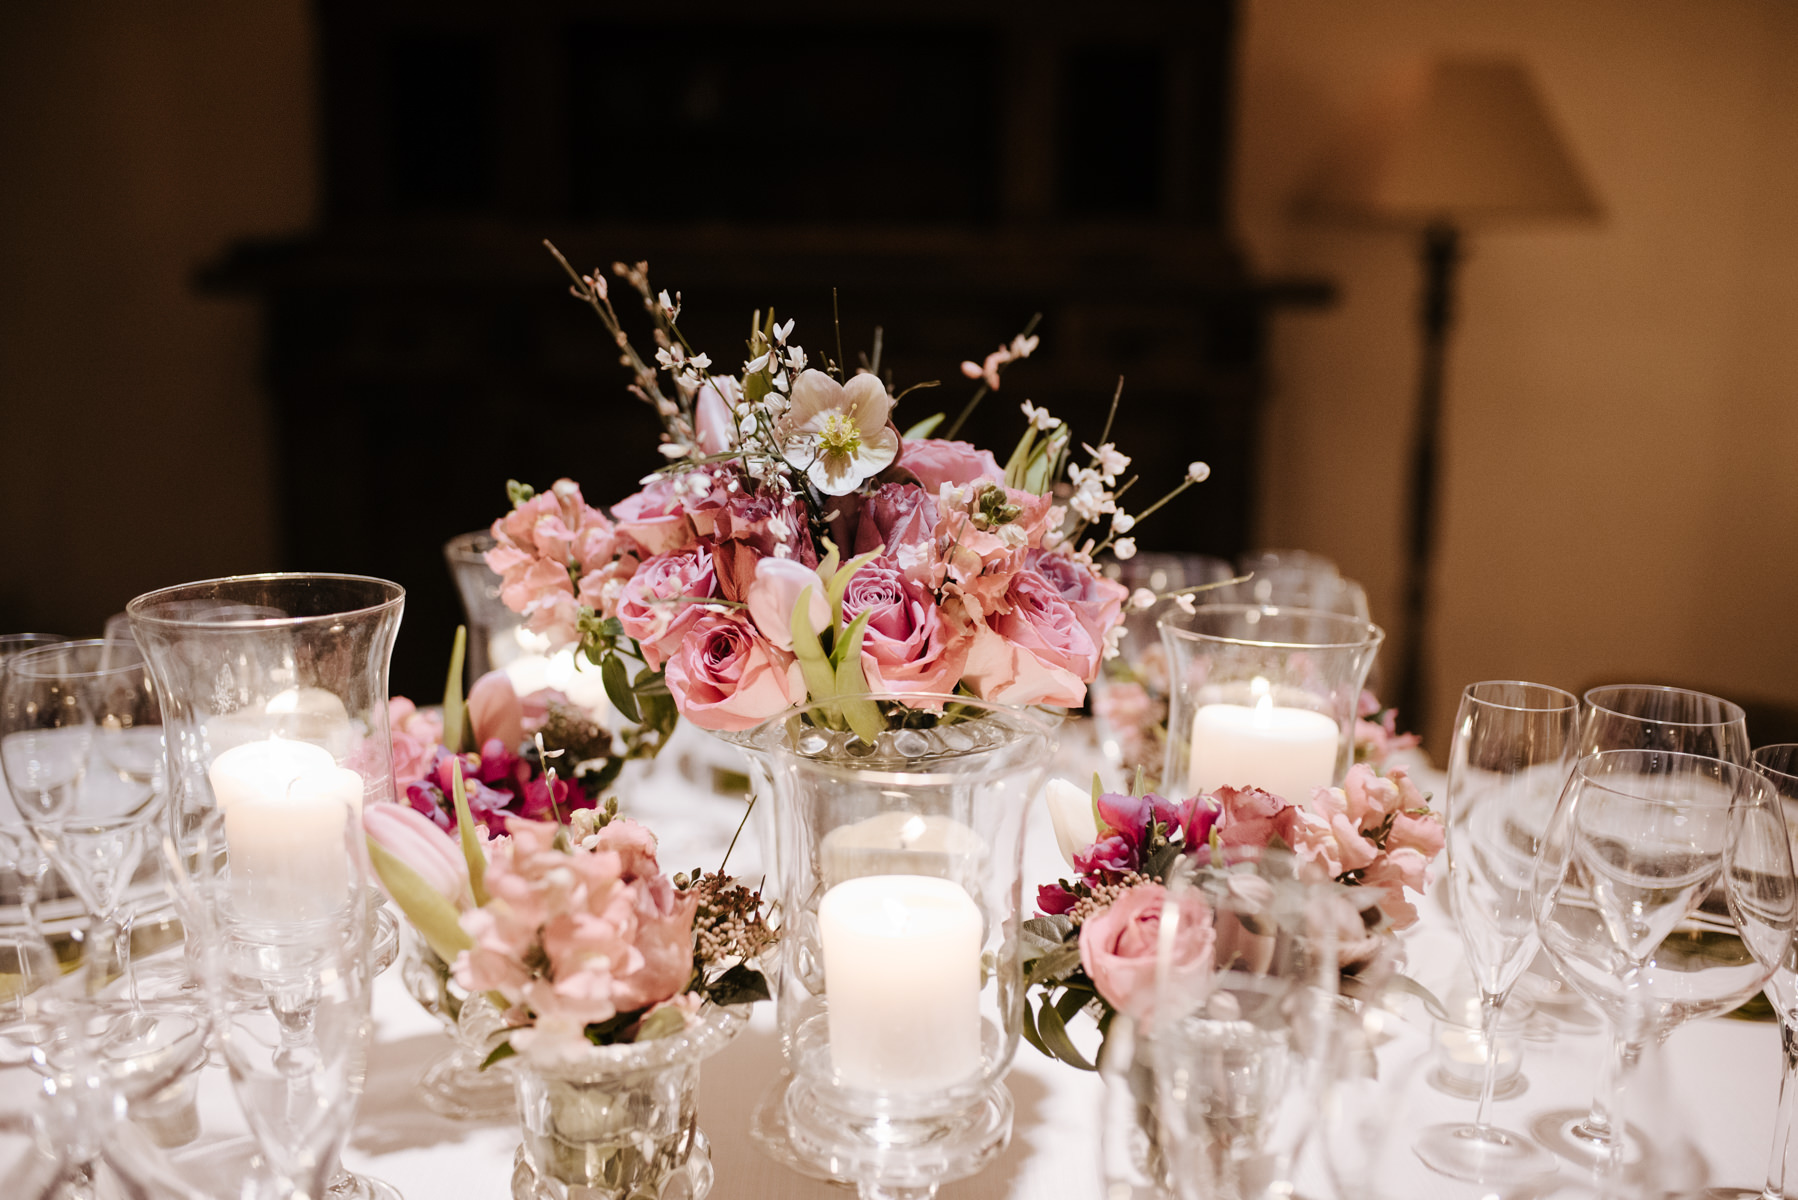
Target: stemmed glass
[(1513, 749), (1639, 842), (1641, 717), (1780, 765), (17, 846)]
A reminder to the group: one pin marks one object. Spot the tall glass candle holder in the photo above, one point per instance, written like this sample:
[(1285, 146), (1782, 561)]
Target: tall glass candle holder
[(1263, 697), (900, 998), (274, 702)]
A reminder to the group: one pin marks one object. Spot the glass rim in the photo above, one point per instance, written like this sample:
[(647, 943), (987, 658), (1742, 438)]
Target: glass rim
[(1572, 701), (461, 548), (1735, 711), (1371, 634), (21, 664), (1743, 773), (1767, 768), (757, 737), (141, 609)]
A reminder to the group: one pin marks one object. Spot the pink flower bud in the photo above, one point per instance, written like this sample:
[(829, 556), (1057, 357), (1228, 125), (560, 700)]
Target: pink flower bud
[(778, 582), (410, 836), (495, 710)]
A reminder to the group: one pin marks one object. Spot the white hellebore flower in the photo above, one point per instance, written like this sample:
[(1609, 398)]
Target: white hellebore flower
[(838, 434), (1071, 809)]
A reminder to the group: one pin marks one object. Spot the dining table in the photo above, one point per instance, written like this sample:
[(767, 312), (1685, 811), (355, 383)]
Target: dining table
[(1704, 1103)]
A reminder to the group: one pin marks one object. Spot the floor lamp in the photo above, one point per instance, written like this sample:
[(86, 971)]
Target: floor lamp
[(1466, 144)]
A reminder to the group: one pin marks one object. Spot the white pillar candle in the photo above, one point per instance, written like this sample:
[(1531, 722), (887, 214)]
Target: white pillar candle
[(285, 806), (1287, 751), (902, 843), (902, 971)]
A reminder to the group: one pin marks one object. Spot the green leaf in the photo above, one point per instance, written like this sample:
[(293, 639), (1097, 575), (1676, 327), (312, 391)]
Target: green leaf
[(862, 713), (455, 713), (618, 689), (820, 680), (663, 1022), (1029, 1030), (1043, 469), (1043, 934), (1020, 457), (839, 582), (471, 843), (1053, 966), (840, 650), (924, 428), (1054, 1033), (742, 984), (430, 912), (1072, 1001), (832, 557), (501, 1053)]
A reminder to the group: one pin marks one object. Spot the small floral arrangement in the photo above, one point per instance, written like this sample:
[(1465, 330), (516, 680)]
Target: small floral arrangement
[(574, 932), (797, 543), (1094, 944)]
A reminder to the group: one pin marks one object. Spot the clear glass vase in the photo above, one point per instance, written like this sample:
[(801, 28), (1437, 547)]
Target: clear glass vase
[(619, 1122), (456, 1086), (1263, 697), (900, 995)]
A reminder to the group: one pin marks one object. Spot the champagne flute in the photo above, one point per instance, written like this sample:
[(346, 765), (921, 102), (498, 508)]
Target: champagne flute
[(1513, 749), (1639, 841), (1780, 765)]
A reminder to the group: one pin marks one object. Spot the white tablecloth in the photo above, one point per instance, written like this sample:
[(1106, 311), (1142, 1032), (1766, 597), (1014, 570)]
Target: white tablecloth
[(1725, 1073)]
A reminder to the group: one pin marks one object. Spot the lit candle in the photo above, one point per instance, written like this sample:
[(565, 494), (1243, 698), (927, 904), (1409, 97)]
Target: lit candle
[(902, 969), (902, 843), (1287, 751), (285, 805)]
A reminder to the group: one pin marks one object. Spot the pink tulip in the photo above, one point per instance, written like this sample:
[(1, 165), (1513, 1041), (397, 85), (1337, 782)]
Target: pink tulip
[(771, 598), (495, 710), (712, 426), (411, 837)]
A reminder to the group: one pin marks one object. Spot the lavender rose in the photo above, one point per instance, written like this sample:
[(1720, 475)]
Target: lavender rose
[(649, 608), (907, 645), (1097, 601)]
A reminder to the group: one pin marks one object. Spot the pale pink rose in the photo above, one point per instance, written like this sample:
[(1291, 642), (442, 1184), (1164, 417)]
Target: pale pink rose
[(1040, 623), (713, 428), (1118, 949), (999, 671), (1249, 816), (495, 711), (634, 845), (936, 461), (907, 644), (776, 591), (1353, 850), (655, 519), (1097, 601), (663, 961), (726, 675), (415, 840), (650, 608)]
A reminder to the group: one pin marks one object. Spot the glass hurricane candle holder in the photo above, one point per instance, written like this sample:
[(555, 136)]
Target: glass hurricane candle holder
[(1263, 697), (901, 993)]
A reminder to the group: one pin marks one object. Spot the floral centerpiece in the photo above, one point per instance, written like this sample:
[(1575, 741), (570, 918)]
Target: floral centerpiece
[(797, 544), (1094, 944)]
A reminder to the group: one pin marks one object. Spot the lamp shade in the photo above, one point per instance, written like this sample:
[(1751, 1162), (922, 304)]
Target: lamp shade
[(1467, 142)]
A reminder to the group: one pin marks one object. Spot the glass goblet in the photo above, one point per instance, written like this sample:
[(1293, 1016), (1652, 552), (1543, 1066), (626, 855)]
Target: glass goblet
[(1651, 860), (17, 845), (1512, 751), (1780, 765)]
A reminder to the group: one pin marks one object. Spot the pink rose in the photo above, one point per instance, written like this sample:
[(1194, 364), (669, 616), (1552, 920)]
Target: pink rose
[(778, 584), (907, 645), (728, 676), (936, 461), (1391, 874), (903, 518), (1038, 652), (765, 523), (1118, 949), (655, 519), (650, 608), (1098, 602), (1249, 816), (495, 711), (416, 841)]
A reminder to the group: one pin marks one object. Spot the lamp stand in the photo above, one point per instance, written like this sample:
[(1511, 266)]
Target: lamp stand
[(1441, 255)]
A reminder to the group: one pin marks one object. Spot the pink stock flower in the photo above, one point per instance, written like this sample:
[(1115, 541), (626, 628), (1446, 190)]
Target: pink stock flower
[(413, 839), (655, 520), (633, 843), (936, 461), (907, 645), (415, 737), (1118, 948), (543, 545), (650, 607), (495, 711), (726, 675), (775, 592)]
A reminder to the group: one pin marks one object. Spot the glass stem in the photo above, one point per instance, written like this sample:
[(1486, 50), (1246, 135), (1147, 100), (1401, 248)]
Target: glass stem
[(104, 950), (1490, 1005), (1782, 1120)]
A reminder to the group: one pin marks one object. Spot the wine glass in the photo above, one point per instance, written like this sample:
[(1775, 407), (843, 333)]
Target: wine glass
[(1512, 751), (1641, 717), (1780, 765), (17, 845), (286, 958), (1653, 858)]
